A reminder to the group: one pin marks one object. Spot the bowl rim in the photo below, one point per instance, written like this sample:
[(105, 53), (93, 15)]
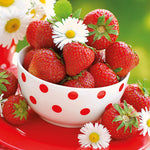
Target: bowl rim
[(28, 48)]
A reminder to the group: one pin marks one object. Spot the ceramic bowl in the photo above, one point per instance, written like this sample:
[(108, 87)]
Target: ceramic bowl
[(66, 106)]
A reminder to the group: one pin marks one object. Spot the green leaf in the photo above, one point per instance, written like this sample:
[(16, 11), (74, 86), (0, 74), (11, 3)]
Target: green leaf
[(115, 32), (101, 20), (92, 26), (107, 36), (2, 73), (77, 13), (3, 87), (4, 81), (109, 20), (108, 28), (63, 9), (117, 69), (121, 125), (96, 36), (118, 118), (91, 33), (119, 109)]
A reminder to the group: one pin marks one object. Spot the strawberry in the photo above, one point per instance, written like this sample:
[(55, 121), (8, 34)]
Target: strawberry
[(122, 120), (103, 75), (136, 96), (99, 56), (39, 34), (103, 27), (15, 110), (27, 59), (47, 65), (120, 55), (8, 83), (83, 80), (77, 57)]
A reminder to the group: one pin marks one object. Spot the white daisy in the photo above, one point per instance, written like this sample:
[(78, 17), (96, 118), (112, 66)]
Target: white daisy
[(145, 121), (42, 9), (38, 12), (22, 4), (13, 24), (96, 136), (70, 29)]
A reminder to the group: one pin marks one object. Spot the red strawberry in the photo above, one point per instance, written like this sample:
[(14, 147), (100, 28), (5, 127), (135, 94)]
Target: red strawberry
[(83, 80), (27, 59), (103, 27), (46, 65), (120, 55), (122, 120), (99, 56), (77, 57), (39, 34), (8, 83), (136, 96), (15, 110), (103, 75)]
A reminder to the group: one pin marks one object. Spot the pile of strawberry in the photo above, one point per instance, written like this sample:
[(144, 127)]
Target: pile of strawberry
[(100, 62)]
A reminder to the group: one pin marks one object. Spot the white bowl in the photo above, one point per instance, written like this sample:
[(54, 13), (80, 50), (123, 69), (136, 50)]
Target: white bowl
[(66, 106)]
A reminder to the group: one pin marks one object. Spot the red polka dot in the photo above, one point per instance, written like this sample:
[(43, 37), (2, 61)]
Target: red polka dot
[(121, 87), (43, 88), (72, 95), (33, 100), (56, 108), (101, 94), (23, 76), (85, 111)]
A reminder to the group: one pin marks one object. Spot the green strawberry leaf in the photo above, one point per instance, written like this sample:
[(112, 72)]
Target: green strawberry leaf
[(77, 13), (92, 26), (109, 20), (101, 20), (115, 32), (63, 9), (3, 87), (117, 69)]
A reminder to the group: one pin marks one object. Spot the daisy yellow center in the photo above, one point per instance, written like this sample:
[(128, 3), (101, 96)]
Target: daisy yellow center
[(70, 34), (43, 18), (43, 1), (12, 25), (148, 122), (94, 137), (6, 3)]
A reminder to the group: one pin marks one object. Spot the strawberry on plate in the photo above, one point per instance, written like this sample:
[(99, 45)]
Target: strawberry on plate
[(82, 80), (120, 55), (77, 57), (122, 120), (136, 96), (15, 110), (39, 34), (47, 65), (103, 27), (103, 75), (8, 83)]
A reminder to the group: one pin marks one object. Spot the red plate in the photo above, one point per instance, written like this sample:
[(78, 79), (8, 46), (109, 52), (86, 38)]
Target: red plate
[(38, 134)]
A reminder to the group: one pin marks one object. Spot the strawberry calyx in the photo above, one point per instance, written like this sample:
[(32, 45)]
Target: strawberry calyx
[(102, 28), (127, 116), (3, 79), (21, 110)]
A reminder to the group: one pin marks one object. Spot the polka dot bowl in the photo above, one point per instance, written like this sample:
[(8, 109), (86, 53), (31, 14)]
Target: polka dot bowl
[(66, 106)]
